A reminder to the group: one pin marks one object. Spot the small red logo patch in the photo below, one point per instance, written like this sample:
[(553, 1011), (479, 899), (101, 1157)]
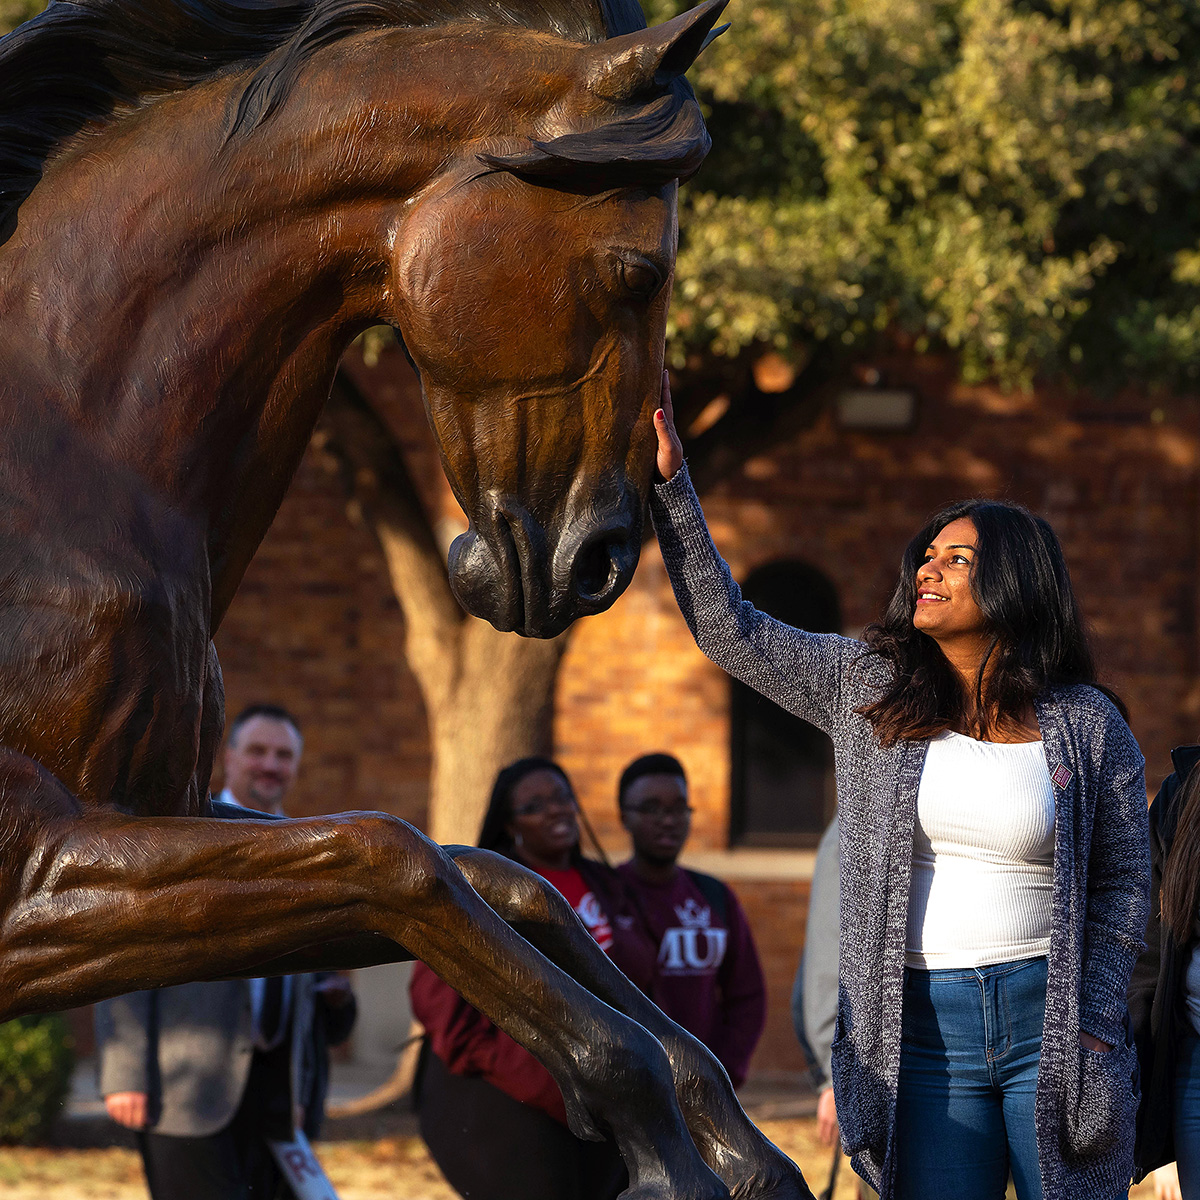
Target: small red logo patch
[(1062, 775)]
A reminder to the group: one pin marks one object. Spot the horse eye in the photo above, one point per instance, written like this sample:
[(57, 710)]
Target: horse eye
[(641, 278)]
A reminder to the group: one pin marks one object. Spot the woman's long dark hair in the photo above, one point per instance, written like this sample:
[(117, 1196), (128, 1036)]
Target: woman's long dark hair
[(1020, 581), (493, 834), (1181, 871)]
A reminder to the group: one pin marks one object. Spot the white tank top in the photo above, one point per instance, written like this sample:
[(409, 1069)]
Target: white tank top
[(983, 855)]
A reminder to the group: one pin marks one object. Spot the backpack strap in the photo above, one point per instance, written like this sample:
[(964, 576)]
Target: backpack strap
[(714, 892)]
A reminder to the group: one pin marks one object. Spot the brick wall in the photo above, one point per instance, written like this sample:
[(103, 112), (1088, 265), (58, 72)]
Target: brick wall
[(1119, 487), (776, 910), (315, 626)]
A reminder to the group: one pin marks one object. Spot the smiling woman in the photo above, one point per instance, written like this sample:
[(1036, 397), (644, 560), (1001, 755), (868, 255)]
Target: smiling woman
[(491, 1115), (983, 617), (994, 852)]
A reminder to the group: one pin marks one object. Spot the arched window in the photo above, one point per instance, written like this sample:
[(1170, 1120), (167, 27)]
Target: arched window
[(782, 788)]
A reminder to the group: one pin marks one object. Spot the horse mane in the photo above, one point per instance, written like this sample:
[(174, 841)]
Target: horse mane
[(84, 62)]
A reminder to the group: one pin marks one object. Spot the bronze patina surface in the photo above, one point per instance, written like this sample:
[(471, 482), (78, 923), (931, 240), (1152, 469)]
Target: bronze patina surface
[(201, 203)]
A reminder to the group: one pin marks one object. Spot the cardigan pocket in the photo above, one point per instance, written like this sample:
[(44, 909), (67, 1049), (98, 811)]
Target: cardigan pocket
[(1108, 1096), (864, 1101), (844, 1069)]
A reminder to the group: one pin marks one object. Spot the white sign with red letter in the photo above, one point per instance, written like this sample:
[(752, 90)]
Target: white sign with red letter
[(302, 1170)]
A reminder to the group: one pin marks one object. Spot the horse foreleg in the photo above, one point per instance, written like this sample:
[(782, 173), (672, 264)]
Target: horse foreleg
[(96, 904), (730, 1143)]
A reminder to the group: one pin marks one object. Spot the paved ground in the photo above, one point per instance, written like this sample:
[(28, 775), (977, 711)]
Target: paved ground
[(376, 1157), (389, 1168), (393, 1167)]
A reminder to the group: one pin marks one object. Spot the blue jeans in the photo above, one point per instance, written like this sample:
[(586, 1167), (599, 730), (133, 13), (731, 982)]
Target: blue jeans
[(1187, 1116), (968, 1077)]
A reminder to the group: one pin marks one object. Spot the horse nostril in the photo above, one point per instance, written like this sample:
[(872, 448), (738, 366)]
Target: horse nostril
[(594, 567)]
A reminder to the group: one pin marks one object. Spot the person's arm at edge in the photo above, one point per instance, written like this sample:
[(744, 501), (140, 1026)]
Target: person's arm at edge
[(821, 947), (820, 983), (1144, 981)]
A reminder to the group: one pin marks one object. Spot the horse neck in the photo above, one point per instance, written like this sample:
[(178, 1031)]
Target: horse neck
[(184, 303)]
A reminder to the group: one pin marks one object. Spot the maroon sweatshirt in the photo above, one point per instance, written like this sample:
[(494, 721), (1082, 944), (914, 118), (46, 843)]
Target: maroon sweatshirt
[(708, 977), (469, 1044)]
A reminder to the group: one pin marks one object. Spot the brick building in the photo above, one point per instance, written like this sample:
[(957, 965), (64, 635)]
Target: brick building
[(827, 513)]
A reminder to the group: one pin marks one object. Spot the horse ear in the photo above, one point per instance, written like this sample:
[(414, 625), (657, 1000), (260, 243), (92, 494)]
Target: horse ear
[(650, 58)]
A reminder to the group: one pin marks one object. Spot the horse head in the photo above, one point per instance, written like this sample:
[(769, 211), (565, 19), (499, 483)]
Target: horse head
[(495, 178), (532, 283)]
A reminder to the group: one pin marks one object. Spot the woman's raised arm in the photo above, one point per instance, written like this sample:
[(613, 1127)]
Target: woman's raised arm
[(802, 672)]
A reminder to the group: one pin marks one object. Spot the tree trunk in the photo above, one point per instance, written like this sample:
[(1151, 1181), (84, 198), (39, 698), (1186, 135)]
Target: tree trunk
[(501, 709)]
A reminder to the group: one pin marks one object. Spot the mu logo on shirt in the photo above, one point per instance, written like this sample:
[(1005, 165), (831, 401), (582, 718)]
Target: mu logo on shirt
[(692, 947)]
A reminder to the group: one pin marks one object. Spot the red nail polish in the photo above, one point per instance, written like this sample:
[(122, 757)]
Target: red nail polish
[(659, 415)]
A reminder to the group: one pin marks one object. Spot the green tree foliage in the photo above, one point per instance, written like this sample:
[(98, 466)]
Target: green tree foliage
[(13, 12), (35, 1075), (1017, 181)]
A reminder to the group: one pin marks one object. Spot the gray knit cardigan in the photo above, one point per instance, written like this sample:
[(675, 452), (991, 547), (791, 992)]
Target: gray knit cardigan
[(1086, 1100)]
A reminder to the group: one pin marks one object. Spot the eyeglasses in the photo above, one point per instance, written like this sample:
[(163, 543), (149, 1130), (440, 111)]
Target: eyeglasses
[(660, 812), (535, 808)]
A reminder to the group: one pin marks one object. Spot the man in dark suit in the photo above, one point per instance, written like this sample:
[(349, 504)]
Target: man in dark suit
[(208, 1073)]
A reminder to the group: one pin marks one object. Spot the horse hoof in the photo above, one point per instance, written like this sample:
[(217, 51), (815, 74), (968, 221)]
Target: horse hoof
[(710, 1188), (792, 1189), (658, 1191), (789, 1185)]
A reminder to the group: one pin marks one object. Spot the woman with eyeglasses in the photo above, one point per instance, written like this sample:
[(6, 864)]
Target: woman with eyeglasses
[(490, 1113), (708, 977)]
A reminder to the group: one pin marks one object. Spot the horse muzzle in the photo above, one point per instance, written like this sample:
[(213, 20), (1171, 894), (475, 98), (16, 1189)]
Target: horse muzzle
[(509, 569)]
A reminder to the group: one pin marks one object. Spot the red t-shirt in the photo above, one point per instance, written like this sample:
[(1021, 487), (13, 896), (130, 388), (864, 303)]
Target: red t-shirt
[(583, 900), (469, 1044)]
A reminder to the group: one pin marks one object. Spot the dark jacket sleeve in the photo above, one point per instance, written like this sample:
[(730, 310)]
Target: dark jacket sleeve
[(337, 1021), (743, 996), (800, 671), (1118, 885), (331, 1025), (469, 1044)]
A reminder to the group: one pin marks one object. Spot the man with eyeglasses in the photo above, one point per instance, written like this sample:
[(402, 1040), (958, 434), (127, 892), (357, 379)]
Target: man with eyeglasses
[(708, 976)]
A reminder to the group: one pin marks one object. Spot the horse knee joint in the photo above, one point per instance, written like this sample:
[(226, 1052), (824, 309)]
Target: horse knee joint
[(410, 863), (627, 1052), (517, 894)]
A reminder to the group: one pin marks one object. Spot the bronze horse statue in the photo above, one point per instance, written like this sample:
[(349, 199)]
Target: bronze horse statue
[(201, 203)]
